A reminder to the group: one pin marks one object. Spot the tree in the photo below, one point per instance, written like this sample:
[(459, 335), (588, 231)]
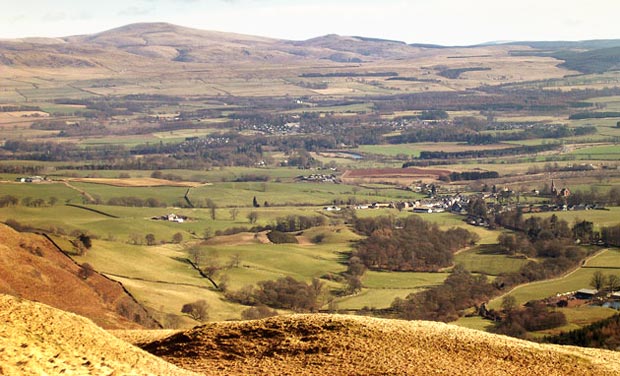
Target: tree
[(598, 280), (234, 261), (258, 312), (212, 208), (177, 238), (234, 212), (613, 282), (195, 255), (197, 310), (509, 303), (86, 271), (207, 233), (150, 239), (252, 217)]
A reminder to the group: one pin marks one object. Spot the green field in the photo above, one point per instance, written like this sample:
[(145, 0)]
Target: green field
[(577, 280), (600, 218), (488, 260)]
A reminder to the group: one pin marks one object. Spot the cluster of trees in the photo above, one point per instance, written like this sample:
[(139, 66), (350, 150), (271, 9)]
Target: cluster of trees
[(10, 200), (527, 149), (602, 334), (535, 316), (445, 302), (284, 293), (279, 237), (19, 108), (473, 136), (611, 197), (601, 281), (298, 222), (132, 201), (456, 72), (610, 235), (496, 97), (389, 244), (549, 239), (594, 115), (470, 175)]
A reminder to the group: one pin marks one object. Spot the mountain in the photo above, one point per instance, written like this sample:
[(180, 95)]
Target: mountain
[(161, 42), (354, 345), (40, 340), (31, 267)]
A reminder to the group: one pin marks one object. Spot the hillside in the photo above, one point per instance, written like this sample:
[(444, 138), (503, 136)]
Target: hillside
[(31, 267), (351, 345), (41, 340)]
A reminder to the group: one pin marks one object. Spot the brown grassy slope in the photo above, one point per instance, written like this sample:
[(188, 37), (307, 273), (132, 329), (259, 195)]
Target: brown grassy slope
[(351, 345), (36, 339), (32, 268)]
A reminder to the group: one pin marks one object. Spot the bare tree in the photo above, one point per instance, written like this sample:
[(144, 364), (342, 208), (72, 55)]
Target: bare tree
[(212, 208), (196, 255), (252, 217), (598, 280), (613, 282), (198, 310), (234, 212)]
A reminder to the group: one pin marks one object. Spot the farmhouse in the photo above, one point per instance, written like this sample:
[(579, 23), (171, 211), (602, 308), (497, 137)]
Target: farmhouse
[(30, 179), (332, 208), (171, 218)]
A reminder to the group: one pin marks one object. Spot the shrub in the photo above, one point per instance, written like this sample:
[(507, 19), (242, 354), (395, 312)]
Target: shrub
[(279, 237)]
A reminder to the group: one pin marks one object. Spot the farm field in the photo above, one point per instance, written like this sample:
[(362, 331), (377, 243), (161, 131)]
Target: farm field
[(576, 280), (600, 218), (413, 150), (487, 259)]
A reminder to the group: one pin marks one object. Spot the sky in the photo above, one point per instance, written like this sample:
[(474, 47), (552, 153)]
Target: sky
[(446, 22)]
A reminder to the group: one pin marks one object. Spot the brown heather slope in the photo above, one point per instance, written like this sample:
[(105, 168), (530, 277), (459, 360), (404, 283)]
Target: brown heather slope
[(31, 267), (36, 339), (352, 345)]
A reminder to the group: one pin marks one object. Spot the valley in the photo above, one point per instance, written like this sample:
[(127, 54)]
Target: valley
[(217, 177)]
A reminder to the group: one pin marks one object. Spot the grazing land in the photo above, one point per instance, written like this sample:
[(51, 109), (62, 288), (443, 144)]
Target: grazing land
[(223, 177)]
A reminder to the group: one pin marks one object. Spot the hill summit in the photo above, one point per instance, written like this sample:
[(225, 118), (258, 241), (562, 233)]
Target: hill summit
[(353, 345)]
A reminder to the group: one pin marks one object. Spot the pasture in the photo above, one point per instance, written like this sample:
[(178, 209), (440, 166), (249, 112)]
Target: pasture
[(489, 260), (574, 281)]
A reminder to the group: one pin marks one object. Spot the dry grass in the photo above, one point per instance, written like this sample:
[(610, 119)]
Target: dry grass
[(352, 345), (41, 340)]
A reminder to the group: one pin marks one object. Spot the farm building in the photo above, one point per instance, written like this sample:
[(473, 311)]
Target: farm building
[(585, 294)]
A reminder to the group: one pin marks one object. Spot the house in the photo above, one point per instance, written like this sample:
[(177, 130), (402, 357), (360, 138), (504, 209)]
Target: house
[(585, 294), (331, 208), (423, 210)]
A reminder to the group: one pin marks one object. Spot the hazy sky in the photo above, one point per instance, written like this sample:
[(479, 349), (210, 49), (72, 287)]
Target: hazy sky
[(448, 22)]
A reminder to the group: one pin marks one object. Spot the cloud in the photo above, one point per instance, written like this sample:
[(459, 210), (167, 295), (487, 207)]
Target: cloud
[(133, 11)]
